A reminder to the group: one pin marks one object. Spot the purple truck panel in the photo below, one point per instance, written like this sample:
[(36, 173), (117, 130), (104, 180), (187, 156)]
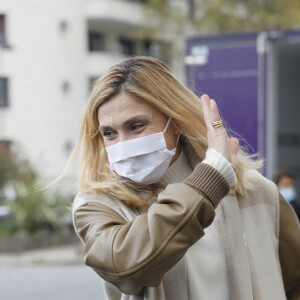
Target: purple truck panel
[(230, 76), (254, 77)]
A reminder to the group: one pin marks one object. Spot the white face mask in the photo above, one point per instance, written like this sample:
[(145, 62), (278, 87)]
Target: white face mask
[(144, 160), (288, 193)]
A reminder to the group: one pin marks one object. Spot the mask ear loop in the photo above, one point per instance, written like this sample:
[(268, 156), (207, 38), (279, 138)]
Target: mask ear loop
[(177, 139), (167, 125)]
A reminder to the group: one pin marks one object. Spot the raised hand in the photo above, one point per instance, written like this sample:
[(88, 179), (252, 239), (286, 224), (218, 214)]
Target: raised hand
[(217, 136)]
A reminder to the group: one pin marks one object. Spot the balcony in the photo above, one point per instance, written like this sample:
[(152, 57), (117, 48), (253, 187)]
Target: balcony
[(114, 15), (103, 54), (99, 63)]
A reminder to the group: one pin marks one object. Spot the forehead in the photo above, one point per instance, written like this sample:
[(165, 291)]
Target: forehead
[(287, 181), (121, 107)]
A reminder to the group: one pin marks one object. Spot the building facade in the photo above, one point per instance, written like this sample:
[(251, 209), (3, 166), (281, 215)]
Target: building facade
[(50, 54)]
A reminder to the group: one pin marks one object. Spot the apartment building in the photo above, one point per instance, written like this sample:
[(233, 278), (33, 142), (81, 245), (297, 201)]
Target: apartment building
[(50, 54)]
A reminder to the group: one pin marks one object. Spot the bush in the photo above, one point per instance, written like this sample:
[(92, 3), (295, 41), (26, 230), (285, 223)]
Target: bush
[(33, 211)]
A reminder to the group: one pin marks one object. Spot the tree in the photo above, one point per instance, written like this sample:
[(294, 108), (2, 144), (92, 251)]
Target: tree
[(214, 16), (8, 169)]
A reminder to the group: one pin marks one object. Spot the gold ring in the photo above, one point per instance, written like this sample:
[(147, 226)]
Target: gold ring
[(217, 124)]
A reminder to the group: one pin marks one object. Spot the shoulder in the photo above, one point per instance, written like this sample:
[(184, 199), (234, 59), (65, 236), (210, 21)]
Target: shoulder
[(260, 182), (94, 198), (104, 202), (261, 188), (263, 196), (86, 206)]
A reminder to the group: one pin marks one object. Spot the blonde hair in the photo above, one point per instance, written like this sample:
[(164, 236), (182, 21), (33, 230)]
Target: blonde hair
[(151, 81)]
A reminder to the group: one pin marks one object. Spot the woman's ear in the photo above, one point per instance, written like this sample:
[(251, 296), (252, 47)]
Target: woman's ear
[(177, 129)]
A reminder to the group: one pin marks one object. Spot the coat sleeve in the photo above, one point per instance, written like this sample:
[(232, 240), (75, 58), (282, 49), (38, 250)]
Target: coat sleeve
[(289, 249), (135, 254)]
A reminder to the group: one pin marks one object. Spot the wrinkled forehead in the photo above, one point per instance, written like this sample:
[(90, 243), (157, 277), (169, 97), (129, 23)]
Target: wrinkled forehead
[(121, 107)]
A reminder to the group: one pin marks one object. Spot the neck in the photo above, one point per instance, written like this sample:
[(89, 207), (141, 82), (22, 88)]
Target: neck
[(178, 171), (177, 153)]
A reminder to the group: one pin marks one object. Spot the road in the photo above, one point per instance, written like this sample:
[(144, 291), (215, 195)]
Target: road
[(42, 282)]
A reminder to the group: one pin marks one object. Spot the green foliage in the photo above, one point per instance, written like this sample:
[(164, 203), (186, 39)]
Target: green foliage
[(8, 169), (33, 210), (211, 16)]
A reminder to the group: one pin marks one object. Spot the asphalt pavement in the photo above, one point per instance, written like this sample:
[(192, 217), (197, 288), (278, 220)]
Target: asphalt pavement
[(48, 274)]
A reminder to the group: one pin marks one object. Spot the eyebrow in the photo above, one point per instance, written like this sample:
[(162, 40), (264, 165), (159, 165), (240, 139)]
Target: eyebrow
[(130, 120)]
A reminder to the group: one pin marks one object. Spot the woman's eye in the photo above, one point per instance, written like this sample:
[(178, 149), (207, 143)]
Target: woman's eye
[(137, 126), (109, 133)]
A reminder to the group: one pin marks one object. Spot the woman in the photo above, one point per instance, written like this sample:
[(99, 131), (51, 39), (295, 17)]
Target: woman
[(285, 181), (168, 207)]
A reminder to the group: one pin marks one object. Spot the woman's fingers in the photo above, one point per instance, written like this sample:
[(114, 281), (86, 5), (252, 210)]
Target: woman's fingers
[(214, 111), (234, 147), (217, 137), (206, 110), (210, 111)]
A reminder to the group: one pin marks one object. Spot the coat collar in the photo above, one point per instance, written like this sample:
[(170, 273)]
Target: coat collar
[(234, 240)]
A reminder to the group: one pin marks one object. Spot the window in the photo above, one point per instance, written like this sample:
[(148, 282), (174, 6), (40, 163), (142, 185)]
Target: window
[(2, 29), (158, 49), (68, 147), (147, 48), (3, 92), (127, 46), (165, 52), (96, 41), (65, 86), (92, 81), (5, 147), (141, 1)]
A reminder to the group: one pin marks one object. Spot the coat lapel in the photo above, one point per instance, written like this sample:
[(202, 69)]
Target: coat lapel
[(239, 276)]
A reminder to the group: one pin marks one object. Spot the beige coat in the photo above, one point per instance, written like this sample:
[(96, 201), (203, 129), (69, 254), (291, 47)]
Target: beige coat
[(142, 254)]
